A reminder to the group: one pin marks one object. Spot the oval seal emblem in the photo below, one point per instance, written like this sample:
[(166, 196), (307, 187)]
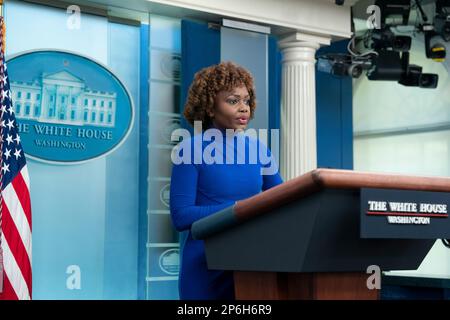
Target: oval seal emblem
[(169, 261), (70, 108)]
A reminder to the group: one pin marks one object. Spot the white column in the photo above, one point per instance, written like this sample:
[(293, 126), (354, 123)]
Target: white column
[(298, 151)]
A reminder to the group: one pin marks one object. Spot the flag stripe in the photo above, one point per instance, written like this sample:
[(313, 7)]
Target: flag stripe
[(18, 215), (18, 252), (24, 197), (25, 176), (8, 291), (13, 273)]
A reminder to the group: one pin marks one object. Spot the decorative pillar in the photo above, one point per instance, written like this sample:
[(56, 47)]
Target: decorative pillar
[(298, 150)]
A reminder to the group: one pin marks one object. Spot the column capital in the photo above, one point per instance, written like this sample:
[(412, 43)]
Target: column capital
[(298, 52), (302, 39), (300, 47)]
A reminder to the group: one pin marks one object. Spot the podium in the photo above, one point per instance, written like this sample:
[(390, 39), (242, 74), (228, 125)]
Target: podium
[(315, 236)]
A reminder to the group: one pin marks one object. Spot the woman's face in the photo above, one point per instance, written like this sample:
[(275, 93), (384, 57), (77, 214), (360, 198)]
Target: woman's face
[(232, 109)]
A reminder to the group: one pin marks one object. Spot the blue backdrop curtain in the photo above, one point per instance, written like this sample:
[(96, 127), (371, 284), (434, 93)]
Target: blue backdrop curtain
[(334, 116), (200, 49)]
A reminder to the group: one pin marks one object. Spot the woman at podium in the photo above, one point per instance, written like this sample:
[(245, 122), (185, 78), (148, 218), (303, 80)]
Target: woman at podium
[(218, 169)]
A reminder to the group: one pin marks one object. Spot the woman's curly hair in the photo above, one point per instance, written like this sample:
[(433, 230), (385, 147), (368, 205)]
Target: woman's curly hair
[(208, 82)]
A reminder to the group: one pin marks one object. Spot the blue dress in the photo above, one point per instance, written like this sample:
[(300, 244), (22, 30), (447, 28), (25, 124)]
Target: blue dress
[(200, 189)]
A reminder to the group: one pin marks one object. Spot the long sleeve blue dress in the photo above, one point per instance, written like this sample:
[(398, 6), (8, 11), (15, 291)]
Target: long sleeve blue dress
[(200, 189)]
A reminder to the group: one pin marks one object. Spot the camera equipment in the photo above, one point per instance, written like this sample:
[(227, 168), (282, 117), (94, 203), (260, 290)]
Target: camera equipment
[(436, 52), (442, 19), (339, 64), (388, 56), (413, 76), (385, 39), (386, 66), (389, 66), (440, 29), (391, 10)]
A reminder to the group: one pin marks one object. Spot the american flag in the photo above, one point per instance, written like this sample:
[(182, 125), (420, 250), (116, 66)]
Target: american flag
[(15, 206)]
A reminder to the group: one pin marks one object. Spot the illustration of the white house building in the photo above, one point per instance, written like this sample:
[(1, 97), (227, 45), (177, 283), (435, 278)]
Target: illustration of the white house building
[(62, 97)]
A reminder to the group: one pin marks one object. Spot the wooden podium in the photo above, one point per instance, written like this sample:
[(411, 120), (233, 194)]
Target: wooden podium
[(303, 240)]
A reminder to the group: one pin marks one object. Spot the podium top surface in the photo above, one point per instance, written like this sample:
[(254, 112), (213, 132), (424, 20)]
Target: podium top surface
[(307, 184), (319, 179)]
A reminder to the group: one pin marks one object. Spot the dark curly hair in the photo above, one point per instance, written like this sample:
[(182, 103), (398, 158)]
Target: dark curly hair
[(208, 82)]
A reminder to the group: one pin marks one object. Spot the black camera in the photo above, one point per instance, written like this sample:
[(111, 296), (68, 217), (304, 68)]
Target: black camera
[(437, 51), (413, 77), (387, 66), (442, 26), (385, 39), (341, 65), (439, 29), (394, 10), (390, 66), (442, 19)]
